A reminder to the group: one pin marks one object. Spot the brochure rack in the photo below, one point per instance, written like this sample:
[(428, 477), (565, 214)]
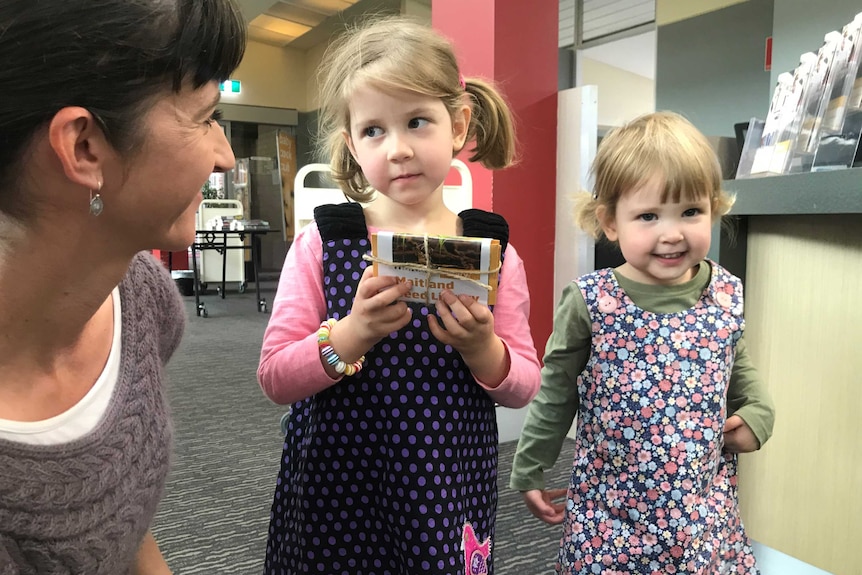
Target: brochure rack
[(814, 121)]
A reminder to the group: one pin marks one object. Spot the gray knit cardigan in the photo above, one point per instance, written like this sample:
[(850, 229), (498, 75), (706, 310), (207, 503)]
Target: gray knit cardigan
[(84, 507)]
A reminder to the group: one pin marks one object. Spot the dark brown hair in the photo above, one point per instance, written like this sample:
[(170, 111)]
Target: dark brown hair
[(108, 56)]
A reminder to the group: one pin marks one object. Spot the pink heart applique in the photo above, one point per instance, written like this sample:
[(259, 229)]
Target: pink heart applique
[(475, 554)]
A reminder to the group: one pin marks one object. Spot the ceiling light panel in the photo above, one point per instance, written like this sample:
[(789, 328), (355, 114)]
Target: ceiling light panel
[(265, 36), (280, 26), (325, 6), (289, 11)]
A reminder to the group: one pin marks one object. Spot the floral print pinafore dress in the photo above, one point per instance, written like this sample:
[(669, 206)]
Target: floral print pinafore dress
[(651, 491), (392, 471)]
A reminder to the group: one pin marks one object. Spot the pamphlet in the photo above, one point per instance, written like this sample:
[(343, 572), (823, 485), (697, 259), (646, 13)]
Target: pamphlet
[(466, 266)]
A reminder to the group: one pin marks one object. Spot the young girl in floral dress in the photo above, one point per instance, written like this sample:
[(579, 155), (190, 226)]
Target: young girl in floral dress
[(651, 359)]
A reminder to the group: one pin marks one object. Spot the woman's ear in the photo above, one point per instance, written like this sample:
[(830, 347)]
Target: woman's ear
[(608, 222), (460, 127), (79, 144)]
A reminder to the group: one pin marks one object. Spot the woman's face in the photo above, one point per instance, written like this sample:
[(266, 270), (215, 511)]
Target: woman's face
[(159, 185)]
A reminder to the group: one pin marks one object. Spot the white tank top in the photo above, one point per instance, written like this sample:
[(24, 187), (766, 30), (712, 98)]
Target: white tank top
[(84, 416)]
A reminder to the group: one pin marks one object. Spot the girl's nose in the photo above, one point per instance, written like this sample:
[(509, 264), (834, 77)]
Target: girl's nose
[(671, 234), (399, 149)]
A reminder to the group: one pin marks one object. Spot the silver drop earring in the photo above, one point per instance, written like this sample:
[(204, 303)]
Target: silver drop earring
[(96, 203)]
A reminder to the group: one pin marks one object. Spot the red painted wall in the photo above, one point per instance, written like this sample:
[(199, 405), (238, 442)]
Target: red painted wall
[(515, 44), (462, 22)]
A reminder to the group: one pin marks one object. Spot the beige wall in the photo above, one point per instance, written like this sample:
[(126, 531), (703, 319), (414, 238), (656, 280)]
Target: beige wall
[(287, 78), (312, 61), (622, 94), (668, 11), (272, 77), (802, 494)]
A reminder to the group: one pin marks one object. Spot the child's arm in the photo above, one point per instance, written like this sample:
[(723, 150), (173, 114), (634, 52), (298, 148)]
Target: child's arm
[(552, 412), (290, 368), (750, 410), (546, 504), (497, 348)]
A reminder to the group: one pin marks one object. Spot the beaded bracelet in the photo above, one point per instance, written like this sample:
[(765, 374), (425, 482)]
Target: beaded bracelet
[(329, 355)]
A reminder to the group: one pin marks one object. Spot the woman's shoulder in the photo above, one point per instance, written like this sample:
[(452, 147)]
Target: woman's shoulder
[(144, 267), (152, 303), (148, 278)]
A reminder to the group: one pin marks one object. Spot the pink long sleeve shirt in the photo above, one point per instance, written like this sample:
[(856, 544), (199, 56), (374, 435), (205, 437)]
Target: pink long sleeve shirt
[(290, 366)]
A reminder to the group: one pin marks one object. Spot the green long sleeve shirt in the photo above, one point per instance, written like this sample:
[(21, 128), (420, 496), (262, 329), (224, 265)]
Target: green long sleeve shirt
[(552, 412)]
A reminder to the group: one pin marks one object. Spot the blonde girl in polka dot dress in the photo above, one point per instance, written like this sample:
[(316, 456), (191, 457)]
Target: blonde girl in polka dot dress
[(651, 359), (390, 455)]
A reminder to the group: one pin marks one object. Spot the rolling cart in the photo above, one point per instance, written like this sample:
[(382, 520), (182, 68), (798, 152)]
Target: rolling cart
[(214, 266), (224, 243)]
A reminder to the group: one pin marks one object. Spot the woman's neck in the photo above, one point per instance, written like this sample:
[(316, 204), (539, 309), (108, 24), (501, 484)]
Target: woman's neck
[(50, 290)]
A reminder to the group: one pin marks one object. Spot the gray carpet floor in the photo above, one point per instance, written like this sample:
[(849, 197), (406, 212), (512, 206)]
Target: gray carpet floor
[(215, 514)]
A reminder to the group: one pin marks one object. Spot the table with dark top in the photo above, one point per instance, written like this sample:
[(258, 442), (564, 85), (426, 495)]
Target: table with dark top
[(218, 240)]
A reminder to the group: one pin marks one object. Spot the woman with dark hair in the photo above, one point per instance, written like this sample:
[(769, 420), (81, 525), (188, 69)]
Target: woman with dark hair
[(107, 133)]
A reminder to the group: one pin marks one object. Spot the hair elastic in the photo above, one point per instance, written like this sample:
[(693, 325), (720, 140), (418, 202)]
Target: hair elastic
[(461, 81)]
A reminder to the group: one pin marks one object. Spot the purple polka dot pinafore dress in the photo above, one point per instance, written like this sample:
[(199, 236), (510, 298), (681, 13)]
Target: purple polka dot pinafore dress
[(651, 491), (381, 472)]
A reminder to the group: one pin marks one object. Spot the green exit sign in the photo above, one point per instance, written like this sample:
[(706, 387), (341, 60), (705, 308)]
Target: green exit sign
[(230, 87)]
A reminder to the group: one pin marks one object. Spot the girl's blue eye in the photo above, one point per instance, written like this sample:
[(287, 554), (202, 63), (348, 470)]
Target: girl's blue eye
[(417, 123), (691, 212), (648, 217), (372, 132)]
